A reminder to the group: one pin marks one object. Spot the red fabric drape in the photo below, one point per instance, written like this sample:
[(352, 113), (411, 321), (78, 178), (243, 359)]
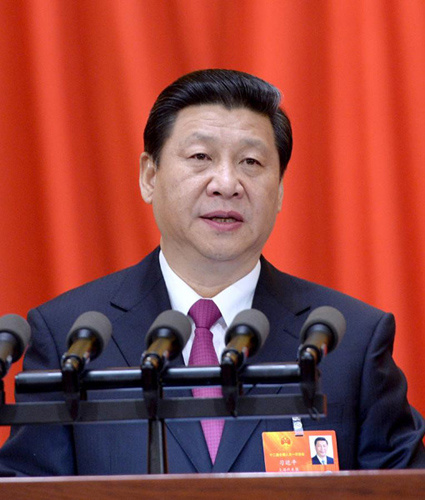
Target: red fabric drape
[(77, 80)]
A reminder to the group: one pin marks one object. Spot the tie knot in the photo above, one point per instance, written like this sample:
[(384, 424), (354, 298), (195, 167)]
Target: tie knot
[(204, 313)]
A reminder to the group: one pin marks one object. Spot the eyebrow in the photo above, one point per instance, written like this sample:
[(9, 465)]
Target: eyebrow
[(197, 136), (246, 141)]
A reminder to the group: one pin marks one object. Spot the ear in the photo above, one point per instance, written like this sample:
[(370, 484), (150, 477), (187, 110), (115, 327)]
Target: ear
[(147, 177), (280, 197)]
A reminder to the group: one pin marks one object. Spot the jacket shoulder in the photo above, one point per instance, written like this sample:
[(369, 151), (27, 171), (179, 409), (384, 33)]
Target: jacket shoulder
[(110, 294), (299, 295)]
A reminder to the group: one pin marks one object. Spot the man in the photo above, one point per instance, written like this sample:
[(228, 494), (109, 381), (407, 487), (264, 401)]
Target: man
[(321, 457), (216, 147)]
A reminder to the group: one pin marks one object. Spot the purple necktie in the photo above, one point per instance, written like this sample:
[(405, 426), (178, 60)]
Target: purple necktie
[(205, 313)]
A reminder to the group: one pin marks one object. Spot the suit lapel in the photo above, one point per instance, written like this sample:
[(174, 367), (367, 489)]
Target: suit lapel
[(141, 297), (286, 310), (189, 434), (190, 437)]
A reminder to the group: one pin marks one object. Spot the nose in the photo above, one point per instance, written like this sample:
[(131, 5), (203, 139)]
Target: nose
[(225, 181)]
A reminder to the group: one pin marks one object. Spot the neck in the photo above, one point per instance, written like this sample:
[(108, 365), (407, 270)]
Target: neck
[(210, 277)]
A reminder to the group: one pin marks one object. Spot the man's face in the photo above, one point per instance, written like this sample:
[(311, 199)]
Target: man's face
[(216, 191), (321, 448)]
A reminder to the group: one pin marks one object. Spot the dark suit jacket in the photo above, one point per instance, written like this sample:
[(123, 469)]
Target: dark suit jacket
[(367, 407), (315, 460)]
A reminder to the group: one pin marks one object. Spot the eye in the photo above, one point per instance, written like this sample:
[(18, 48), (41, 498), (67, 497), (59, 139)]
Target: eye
[(200, 156), (252, 161)]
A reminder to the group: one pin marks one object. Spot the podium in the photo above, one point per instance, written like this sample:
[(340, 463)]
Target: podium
[(345, 485)]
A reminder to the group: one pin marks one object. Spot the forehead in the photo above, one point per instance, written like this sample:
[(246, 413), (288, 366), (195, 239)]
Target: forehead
[(212, 122)]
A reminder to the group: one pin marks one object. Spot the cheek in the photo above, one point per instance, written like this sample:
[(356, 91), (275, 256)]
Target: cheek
[(175, 197), (270, 192), (268, 206)]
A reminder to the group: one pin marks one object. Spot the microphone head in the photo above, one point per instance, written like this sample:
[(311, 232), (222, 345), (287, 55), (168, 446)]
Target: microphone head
[(97, 323), (18, 327), (170, 321), (330, 317), (253, 320)]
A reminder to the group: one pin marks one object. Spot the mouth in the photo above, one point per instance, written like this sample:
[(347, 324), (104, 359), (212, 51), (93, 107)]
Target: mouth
[(223, 222), (223, 217)]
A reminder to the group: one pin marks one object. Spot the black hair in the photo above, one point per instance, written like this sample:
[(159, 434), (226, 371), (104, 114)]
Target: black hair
[(230, 88), (320, 438)]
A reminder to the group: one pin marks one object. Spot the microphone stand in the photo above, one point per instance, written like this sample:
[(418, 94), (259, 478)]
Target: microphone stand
[(2, 393), (231, 386), (155, 408), (153, 393), (71, 388)]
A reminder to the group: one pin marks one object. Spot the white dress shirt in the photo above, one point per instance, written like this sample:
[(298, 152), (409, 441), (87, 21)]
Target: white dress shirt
[(232, 300)]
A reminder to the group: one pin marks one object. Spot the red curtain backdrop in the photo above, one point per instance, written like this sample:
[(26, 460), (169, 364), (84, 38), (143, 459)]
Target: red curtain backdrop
[(77, 79)]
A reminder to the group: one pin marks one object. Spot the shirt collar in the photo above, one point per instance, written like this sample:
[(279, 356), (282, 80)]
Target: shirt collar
[(233, 299)]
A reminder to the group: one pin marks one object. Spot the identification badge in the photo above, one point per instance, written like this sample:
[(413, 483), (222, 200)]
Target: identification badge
[(313, 451)]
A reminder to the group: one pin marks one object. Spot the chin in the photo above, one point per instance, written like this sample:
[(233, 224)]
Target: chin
[(225, 250), (224, 255)]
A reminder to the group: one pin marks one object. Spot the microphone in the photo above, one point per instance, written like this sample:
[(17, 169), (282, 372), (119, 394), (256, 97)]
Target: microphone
[(321, 332), (87, 338), (15, 333), (166, 338), (244, 337)]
